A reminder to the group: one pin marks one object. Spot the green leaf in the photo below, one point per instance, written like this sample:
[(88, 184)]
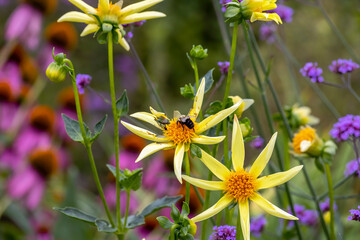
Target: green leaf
[(160, 203), (164, 222), (134, 221), (122, 105), (187, 91), (319, 165), (129, 180), (209, 80), (99, 128), (232, 11), (77, 214), (185, 210), (175, 213), (72, 128), (195, 151), (104, 226), (214, 108), (102, 38)]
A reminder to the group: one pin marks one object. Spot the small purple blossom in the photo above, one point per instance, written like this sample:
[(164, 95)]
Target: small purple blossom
[(223, 4), (257, 143), (267, 31), (346, 128), (224, 67), (325, 206), (352, 167), (284, 12), (306, 217), (225, 232), (355, 214), (257, 225), (342, 66), (312, 71), (82, 81), (129, 35)]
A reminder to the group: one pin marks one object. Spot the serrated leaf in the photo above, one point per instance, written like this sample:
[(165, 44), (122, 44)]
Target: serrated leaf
[(73, 130), (134, 220), (160, 203), (164, 222), (99, 128), (104, 226), (122, 105), (77, 214)]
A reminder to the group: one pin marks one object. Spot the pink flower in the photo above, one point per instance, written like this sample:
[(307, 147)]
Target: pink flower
[(24, 25)]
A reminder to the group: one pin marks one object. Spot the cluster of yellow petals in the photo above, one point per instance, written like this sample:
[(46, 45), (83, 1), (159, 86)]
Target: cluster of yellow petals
[(179, 133), (306, 134), (240, 185)]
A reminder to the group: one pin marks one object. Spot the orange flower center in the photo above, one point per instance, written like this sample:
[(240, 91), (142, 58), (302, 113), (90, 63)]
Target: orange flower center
[(62, 35), (45, 162), (178, 132), (5, 92), (306, 134), (240, 185)]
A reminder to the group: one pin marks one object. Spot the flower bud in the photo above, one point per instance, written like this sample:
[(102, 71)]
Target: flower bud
[(198, 52), (56, 73), (302, 116), (246, 129), (246, 103), (193, 227), (307, 141)]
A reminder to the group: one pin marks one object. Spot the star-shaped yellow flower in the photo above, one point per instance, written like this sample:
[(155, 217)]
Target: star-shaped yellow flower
[(175, 133), (113, 15), (240, 185)]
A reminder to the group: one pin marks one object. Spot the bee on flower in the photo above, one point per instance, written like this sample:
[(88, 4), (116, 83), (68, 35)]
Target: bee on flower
[(109, 17), (240, 185), (180, 131)]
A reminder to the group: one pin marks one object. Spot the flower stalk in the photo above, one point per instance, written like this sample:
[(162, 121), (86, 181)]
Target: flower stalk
[(331, 197)]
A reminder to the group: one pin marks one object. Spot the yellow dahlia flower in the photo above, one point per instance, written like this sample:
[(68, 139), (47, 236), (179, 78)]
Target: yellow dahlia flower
[(241, 185), (109, 16), (307, 141), (175, 132)]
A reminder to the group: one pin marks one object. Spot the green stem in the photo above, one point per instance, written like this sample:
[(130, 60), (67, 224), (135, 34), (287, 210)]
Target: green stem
[(238, 228), (148, 81), (187, 184), (331, 197), (127, 207), (172, 232), (352, 91), (87, 145), (339, 184), (116, 126)]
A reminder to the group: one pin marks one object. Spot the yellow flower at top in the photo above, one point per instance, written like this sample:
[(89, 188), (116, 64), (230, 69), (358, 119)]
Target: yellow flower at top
[(109, 16), (240, 185), (254, 10), (180, 131)]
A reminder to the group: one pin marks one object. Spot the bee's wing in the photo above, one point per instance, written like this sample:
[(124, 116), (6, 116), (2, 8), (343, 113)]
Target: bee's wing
[(177, 114)]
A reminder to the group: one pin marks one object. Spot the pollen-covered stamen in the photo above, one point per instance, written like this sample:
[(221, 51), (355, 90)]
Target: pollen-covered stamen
[(179, 133), (44, 161), (240, 185)]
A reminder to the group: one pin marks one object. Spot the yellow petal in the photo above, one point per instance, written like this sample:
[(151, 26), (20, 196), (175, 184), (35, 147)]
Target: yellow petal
[(271, 208), (211, 121), (74, 16), (201, 139), (263, 158), (122, 41), (146, 117), (208, 185), (141, 16), (83, 6), (198, 100), (245, 219), (138, 7), (144, 133), (277, 178), (237, 146), (265, 17), (178, 159), (247, 103), (152, 148), (104, 4), (90, 28), (216, 167), (216, 208)]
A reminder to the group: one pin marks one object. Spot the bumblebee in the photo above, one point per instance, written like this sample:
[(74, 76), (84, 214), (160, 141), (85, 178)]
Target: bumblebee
[(186, 120)]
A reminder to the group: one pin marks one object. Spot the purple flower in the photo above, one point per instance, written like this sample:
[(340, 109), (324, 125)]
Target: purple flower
[(267, 31), (325, 206), (346, 128), (306, 217), (310, 70), (257, 143), (257, 225), (352, 167), (284, 12), (355, 214), (225, 232), (82, 81), (24, 25), (129, 35), (342, 66), (223, 3), (224, 67)]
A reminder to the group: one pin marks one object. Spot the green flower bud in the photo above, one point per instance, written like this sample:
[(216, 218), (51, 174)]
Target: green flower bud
[(56, 73), (246, 129), (193, 227), (198, 52)]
